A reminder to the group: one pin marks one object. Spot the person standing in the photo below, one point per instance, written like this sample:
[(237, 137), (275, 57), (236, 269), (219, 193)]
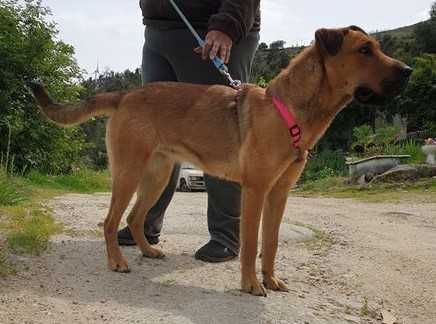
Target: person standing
[(230, 29)]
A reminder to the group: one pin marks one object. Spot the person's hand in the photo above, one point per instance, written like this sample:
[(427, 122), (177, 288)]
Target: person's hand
[(216, 44)]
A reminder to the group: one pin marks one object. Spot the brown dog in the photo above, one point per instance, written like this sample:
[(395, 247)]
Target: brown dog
[(236, 136)]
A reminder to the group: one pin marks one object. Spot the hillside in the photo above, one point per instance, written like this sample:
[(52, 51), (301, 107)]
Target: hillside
[(269, 61), (406, 31)]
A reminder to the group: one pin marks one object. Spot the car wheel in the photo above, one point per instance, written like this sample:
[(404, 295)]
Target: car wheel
[(183, 186)]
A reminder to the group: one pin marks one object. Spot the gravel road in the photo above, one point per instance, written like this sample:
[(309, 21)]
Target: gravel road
[(345, 262)]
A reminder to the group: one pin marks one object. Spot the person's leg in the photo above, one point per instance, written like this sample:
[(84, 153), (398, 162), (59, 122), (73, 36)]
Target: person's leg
[(223, 196), (154, 68)]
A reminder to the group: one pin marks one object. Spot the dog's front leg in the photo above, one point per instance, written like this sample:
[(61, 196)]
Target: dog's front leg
[(275, 204), (252, 204)]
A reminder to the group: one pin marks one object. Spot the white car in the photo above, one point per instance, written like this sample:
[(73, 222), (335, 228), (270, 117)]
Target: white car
[(190, 179)]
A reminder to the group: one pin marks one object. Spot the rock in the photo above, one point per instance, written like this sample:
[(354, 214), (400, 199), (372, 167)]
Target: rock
[(352, 319), (398, 174), (295, 233), (388, 317), (426, 170)]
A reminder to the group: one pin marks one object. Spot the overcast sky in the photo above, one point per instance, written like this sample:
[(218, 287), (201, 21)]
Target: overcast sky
[(111, 31)]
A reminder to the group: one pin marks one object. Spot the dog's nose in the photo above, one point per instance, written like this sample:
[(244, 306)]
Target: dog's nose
[(406, 71)]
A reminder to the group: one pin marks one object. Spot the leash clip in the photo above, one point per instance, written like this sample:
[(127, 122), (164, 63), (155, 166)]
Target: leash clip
[(236, 84), (224, 70)]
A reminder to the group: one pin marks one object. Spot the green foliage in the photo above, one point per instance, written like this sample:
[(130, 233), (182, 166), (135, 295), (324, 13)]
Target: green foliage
[(279, 44), (386, 135), (10, 194), (6, 267), (374, 142), (262, 47), (268, 62), (425, 33), (418, 101), (95, 130), (385, 141), (29, 50), (82, 181), (364, 137), (421, 191), (324, 164), (409, 147), (29, 231), (433, 11)]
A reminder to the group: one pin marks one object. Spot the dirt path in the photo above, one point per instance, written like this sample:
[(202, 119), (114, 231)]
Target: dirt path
[(368, 258)]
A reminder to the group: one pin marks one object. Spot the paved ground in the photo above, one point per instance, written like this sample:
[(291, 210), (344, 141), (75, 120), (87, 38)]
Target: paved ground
[(365, 258)]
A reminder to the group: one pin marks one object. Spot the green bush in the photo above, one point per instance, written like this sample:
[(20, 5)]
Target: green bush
[(409, 147), (324, 164), (6, 267), (10, 195), (28, 50), (83, 181), (29, 232)]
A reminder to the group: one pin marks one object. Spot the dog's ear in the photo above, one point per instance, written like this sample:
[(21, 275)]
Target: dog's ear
[(329, 40)]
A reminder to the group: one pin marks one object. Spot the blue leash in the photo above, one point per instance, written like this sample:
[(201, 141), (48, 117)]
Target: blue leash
[(219, 64)]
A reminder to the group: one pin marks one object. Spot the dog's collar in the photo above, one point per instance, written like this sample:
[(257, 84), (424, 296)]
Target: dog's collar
[(290, 120)]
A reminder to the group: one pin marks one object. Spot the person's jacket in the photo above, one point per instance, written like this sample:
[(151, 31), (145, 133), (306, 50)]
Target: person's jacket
[(235, 18)]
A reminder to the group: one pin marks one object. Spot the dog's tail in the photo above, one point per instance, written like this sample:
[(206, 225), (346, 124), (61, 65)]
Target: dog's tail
[(68, 115)]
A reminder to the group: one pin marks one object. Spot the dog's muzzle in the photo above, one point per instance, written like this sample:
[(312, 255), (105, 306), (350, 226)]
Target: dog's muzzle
[(390, 88)]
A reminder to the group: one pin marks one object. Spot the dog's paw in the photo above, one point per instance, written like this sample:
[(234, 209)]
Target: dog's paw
[(253, 286), (119, 265), (153, 253), (273, 283)]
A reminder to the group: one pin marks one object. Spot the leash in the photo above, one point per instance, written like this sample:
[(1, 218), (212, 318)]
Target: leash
[(219, 64)]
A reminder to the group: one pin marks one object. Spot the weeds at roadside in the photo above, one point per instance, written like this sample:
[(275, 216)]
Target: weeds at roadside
[(83, 181), (6, 268), (421, 191), (29, 231), (25, 225), (321, 241), (10, 193), (367, 311)]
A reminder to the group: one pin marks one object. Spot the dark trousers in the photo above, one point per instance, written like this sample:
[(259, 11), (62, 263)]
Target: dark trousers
[(168, 56)]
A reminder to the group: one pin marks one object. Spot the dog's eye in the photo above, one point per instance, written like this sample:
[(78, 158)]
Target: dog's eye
[(365, 50)]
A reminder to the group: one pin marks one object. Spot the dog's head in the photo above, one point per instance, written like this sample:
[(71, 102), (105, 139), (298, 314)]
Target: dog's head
[(355, 62)]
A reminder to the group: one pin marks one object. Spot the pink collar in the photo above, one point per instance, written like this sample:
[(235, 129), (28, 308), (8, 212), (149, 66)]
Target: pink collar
[(290, 120)]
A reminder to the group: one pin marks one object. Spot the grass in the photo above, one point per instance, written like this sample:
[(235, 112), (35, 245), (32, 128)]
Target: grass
[(423, 191), (28, 231), (320, 242), (6, 268), (84, 181), (25, 224), (10, 193)]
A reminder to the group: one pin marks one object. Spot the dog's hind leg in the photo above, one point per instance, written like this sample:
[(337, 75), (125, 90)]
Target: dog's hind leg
[(123, 188), (155, 179), (272, 216)]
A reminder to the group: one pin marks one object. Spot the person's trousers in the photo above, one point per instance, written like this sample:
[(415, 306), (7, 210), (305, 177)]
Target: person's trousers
[(168, 56)]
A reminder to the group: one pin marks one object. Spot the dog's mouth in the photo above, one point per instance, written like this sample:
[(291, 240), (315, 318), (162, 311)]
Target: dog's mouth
[(391, 89), (364, 95)]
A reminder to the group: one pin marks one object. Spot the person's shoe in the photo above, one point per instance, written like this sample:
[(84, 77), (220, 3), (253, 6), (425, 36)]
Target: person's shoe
[(214, 252), (125, 238)]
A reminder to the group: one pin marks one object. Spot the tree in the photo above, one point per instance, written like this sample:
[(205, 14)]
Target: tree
[(418, 102), (425, 33), (263, 46), (28, 50), (433, 11), (279, 44), (95, 130)]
